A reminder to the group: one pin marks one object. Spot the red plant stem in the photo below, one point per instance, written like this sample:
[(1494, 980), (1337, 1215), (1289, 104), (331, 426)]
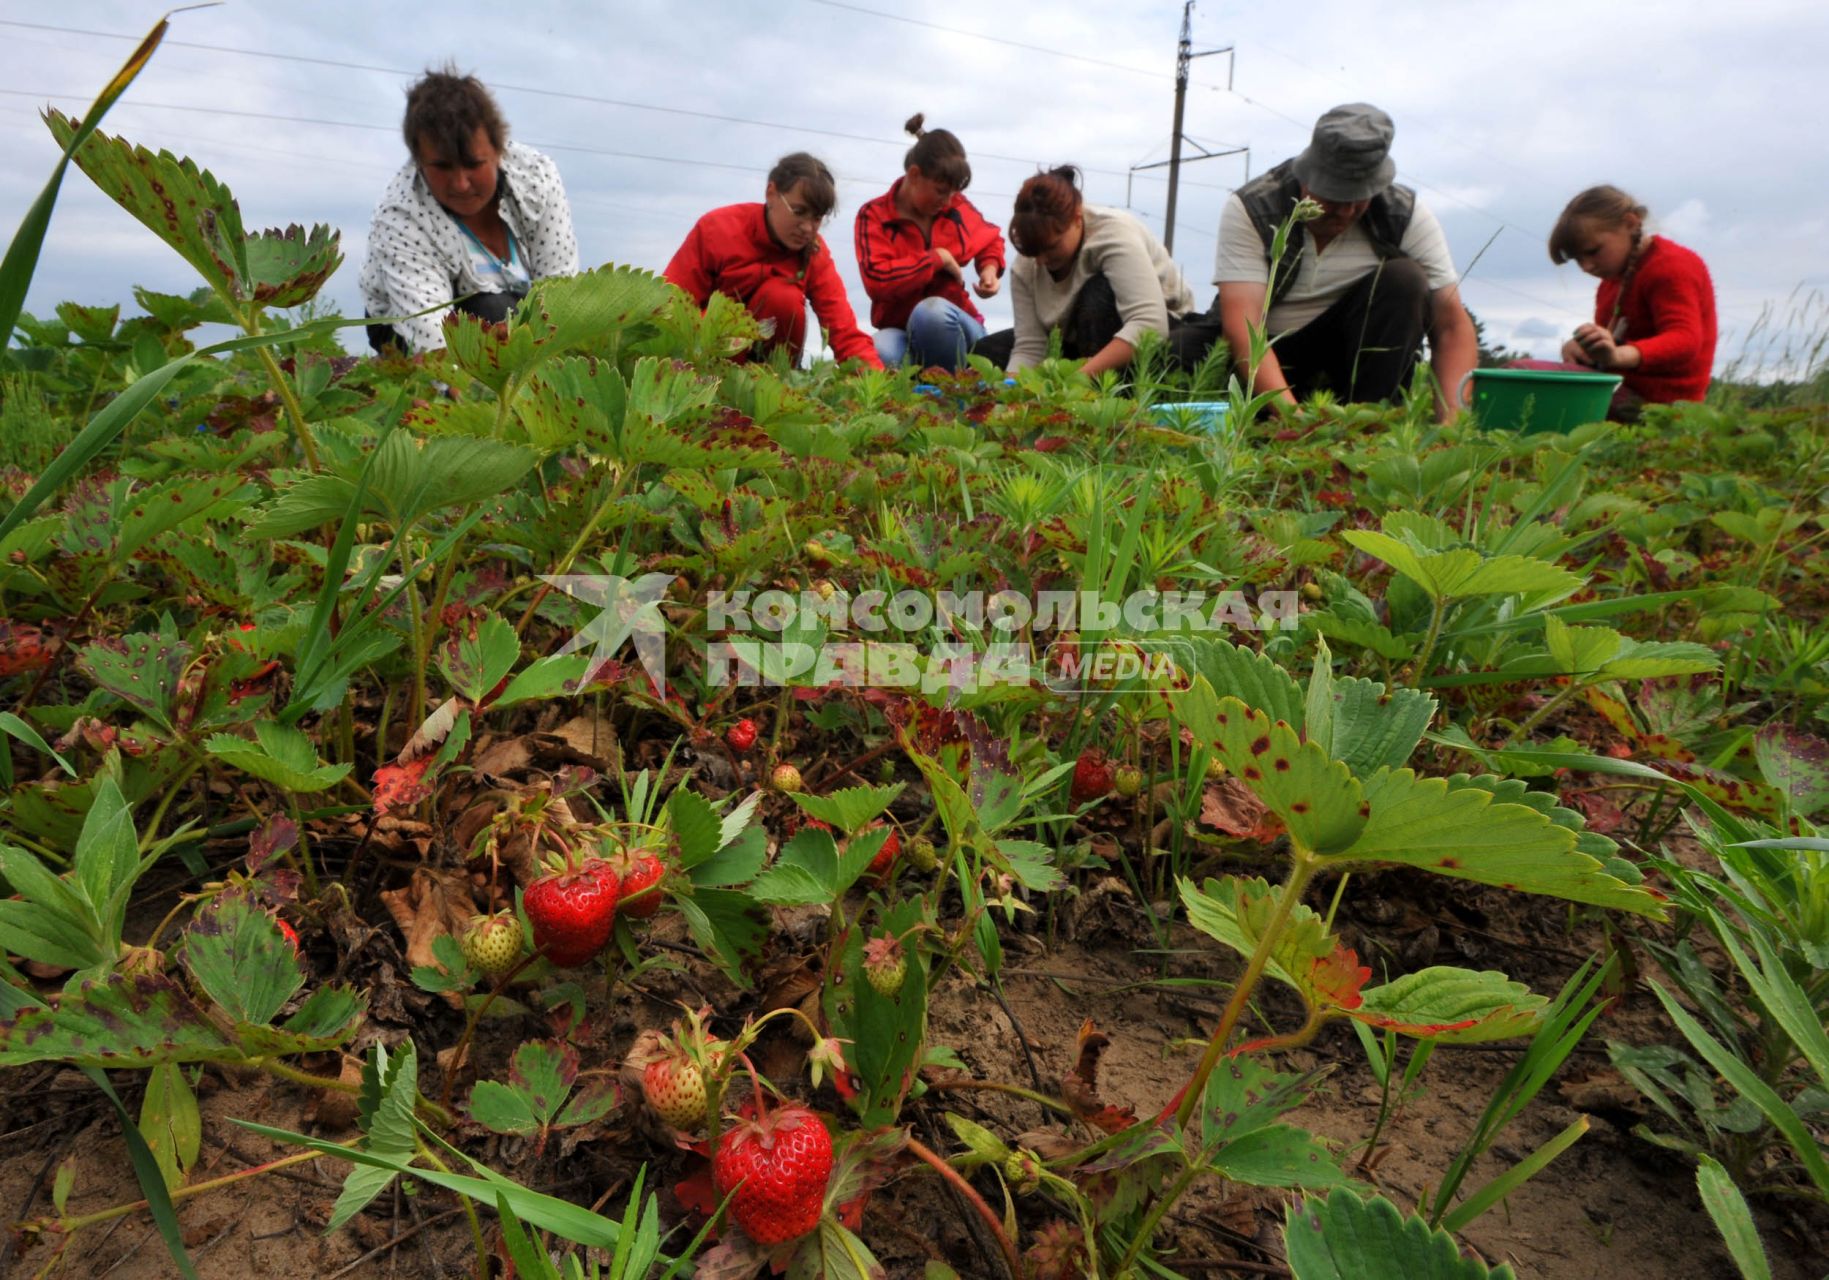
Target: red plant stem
[(1010, 1257)]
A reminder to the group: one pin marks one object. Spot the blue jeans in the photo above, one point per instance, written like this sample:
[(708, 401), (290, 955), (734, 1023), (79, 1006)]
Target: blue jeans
[(939, 334)]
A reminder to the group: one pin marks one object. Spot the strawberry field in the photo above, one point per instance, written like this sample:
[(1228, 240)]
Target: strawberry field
[(581, 804)]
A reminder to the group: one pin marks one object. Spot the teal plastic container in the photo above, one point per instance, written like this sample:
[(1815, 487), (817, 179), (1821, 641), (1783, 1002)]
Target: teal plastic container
[(1532, 400), (1196, 417)]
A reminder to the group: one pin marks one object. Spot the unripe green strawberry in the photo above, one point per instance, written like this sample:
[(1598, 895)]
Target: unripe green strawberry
[(1022, 1170), (777, 1167), (492, 944), (675, 1087), (1312, 592), (1216, 770), (1127, 781), (922, 855), (885, 965), (786, 778), (741, 736)]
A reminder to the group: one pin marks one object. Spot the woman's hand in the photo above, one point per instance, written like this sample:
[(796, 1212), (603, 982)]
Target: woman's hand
[(1574, 353), (1602, 352), (950, 264), (990, 280)]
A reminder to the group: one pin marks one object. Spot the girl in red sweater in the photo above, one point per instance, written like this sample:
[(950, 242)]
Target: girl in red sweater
[(915, 244), (772, 259), (1654, 313)]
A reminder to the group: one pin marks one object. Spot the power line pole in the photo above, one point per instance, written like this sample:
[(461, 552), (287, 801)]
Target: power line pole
[(1184, 55)]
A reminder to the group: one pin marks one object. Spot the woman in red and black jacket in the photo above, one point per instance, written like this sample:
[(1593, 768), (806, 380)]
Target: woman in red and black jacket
[(772, 259), (915, 243)]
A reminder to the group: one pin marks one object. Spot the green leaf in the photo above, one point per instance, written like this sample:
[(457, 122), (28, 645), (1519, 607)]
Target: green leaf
[(1452, 1006), (735, 824), (1375, 728), (852, 809), (301, 506), (1317, 799), (151, 511), (1252, 678), (730, 926), (142, 669), (835, 1254), (15, 727), (1751, 1087), (1280, 1156), (287, 268), (695, 826), (1797, 764), (1365, 634), (116, 1021), (572, 402), (169, 1122), (281, 754), (1452, 575), (1732, 1218), (390, 1087), (1346, 1238), (1422, 822), (480, 657), (884, 1035), (412, 478), (53, 922), (107, 855), (236, 953), (1236, 911), (554, 676), (736, 863), (540, 1078)]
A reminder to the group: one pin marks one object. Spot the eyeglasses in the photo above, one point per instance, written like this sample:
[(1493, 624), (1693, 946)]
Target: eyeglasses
[(801, 214)]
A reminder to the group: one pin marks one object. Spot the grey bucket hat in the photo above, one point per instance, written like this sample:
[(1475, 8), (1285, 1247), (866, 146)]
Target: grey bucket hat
[(1349, 157)]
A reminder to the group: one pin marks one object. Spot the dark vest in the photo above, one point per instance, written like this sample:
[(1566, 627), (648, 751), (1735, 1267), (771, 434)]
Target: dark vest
[(1269, 198)]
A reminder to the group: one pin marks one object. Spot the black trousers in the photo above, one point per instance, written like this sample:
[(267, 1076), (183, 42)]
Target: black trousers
[(487, 307), (1366, 345), (1094, 321)]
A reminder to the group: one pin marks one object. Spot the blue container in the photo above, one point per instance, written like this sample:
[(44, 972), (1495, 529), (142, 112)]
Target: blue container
[(1196, 417)]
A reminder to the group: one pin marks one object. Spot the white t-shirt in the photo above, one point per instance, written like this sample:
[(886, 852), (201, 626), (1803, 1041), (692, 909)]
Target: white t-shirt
[(420, 256), (1321, 279)]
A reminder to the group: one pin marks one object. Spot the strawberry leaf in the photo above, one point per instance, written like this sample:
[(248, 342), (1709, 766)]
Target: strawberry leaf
[(480, 657), (281, 754), (1461, 832), (1346, 1238), (236, 953), (1452, 1006), (852, 809)]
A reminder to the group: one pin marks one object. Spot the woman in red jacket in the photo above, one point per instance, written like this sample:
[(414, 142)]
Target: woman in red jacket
[(914, 245), (1654, 313), (772, 259)]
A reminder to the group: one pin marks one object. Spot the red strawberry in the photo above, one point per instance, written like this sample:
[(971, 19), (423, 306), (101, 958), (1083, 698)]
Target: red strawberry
[(290, 933), (1092, 777), (741, 736), (675, 1087), (572, 912), (641, 897), (886, 856), (778, 1167)]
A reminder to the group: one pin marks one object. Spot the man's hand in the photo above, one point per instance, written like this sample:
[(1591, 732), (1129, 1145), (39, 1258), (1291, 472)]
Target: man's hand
[(950, 265), (990, 280)]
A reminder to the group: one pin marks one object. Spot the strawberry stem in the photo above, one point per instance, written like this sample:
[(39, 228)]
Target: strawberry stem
[(966, 1189)]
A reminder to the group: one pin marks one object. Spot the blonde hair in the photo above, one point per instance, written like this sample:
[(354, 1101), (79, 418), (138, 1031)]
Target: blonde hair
[(1606, 205)]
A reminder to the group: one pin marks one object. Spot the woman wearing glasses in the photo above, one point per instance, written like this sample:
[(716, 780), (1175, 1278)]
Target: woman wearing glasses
[(915, 244), (772, 259)]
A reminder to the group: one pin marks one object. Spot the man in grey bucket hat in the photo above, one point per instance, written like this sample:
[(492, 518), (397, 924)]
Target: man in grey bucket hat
[(1358, 288)]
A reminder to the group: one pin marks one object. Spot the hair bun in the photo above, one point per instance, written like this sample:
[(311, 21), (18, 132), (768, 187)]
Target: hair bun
[(915, 122)]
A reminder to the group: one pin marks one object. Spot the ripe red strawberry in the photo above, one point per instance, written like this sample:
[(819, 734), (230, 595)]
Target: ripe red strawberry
[(1092, 777), (290, 933), (675, 1087), (572, 912), (640, 896), (885, 965), (786, 778), (886, 856), (741, 736), (492, 944), (778, 1166)]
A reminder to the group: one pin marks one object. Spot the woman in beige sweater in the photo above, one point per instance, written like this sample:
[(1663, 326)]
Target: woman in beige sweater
[(1098, 276)]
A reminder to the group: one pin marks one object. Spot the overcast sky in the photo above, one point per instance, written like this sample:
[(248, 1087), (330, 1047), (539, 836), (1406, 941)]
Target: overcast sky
[(658, 111)]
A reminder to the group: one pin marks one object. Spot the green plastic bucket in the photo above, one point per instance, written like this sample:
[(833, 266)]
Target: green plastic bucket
[(1195, 417), (1531, 400)]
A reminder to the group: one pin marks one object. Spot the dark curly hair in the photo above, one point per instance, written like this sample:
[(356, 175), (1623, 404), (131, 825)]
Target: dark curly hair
[(444, 110)]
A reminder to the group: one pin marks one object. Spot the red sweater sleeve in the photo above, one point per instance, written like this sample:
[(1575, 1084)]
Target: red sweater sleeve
[(987, 239), (827, 294), (689, 269), (893, 278), (1676, 304)]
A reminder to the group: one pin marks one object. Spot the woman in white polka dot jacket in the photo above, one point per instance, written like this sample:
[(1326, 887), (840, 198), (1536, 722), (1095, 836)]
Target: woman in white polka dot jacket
[(470, 221)]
